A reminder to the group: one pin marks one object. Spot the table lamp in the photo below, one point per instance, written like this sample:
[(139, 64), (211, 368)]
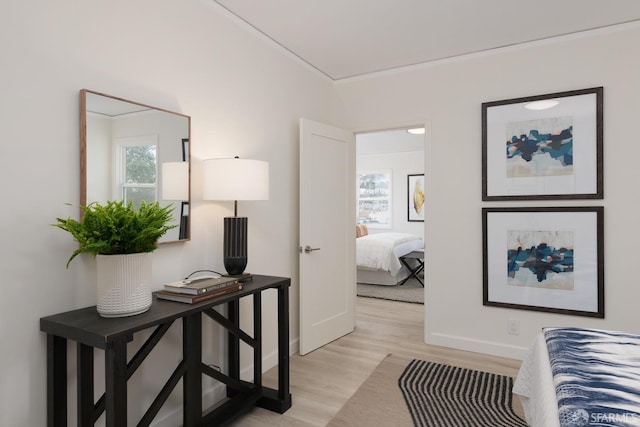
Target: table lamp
[(235, 179)]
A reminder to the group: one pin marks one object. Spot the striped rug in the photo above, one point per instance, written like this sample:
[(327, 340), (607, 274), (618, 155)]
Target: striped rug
[(380, 402), (444, 395)]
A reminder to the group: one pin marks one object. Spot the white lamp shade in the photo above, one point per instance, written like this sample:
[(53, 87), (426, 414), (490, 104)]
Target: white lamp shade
[(235, 179), (175, 181)]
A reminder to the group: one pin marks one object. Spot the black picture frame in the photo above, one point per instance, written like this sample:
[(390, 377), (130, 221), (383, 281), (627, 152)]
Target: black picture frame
[(531, 155), (183, 232), (548, 259), (415, 197), (185, 150)]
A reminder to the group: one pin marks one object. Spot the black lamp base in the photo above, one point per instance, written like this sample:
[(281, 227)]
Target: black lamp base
[(235, 245), (235, 265)]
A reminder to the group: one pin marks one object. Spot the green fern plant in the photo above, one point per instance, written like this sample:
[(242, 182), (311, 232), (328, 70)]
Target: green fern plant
[(118, 228)]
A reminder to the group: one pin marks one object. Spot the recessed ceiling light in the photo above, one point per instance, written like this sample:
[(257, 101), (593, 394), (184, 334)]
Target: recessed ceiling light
[(416, 131), (541, 105)]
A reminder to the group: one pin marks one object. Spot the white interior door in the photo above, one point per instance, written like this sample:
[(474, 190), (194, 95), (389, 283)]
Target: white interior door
[(327, 242)]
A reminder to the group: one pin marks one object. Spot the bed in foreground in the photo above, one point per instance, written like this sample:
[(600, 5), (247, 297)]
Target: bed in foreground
[(378, 257), (575, 377)]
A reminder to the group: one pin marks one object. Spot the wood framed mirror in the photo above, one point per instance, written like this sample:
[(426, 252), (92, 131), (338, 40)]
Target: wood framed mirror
[(132, 152)]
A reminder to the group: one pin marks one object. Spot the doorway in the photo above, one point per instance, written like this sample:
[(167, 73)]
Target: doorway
[(390, 164)]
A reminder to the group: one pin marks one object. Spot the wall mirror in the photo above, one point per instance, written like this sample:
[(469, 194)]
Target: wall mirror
[(131, 151)]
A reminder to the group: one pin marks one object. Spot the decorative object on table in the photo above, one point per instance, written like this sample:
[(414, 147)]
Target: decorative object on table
[(228, 288), (415, 198), (544, 259), (543, 147), (121, 238), (199, 286), (235, 179)]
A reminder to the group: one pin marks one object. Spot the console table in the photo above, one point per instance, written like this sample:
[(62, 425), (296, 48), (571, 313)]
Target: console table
[(90, 331)]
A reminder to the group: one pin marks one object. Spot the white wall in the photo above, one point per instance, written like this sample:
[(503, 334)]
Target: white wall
[(449, 96), (244, 97)]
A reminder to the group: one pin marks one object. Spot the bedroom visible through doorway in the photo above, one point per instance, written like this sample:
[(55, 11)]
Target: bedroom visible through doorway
[(391, 198)]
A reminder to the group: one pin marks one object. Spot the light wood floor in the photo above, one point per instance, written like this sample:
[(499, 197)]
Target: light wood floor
[(323, 381)]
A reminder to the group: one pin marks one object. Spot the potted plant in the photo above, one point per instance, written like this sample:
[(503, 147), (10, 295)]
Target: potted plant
[(121, 238)]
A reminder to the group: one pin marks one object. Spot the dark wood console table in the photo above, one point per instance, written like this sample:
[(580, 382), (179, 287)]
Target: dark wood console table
[(90, 331)]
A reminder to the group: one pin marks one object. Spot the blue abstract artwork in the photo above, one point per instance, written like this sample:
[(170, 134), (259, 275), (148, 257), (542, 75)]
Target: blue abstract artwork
[(540, 259), (542, 147)]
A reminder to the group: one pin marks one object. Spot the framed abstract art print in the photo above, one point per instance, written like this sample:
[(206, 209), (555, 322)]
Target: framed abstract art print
[(543, 147), (544, 259)]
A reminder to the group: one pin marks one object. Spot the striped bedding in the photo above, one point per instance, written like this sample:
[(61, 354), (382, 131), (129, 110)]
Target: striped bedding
[(596, 375)]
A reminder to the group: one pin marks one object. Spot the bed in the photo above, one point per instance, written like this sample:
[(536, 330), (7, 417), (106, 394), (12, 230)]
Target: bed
[(378, 256), (575, 377)]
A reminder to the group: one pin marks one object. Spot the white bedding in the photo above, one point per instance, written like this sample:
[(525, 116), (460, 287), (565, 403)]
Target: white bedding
[(534, 386), (382, 251)]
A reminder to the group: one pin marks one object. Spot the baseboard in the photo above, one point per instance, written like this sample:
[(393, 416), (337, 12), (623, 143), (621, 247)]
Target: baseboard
[(477, 346)]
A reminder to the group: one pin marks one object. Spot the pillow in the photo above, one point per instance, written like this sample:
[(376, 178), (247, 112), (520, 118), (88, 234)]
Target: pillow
[(361, 230)]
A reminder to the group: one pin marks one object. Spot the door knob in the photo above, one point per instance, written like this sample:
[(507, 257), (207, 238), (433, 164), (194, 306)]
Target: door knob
[(308, 249)]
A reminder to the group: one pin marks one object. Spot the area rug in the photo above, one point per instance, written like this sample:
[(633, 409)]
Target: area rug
[(411, 291), (406, 392)]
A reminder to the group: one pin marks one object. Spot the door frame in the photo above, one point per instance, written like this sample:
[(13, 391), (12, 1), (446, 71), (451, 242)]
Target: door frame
[(428, 212)]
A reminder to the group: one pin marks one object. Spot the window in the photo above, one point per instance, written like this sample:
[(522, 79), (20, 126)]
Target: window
[(137, 169), (374, 198)]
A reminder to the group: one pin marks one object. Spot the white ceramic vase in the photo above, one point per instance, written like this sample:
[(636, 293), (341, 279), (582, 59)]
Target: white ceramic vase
[(124, 284)]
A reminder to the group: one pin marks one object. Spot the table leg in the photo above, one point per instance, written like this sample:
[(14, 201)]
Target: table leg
[(192, 380), (233, 312), (283, 347), (257, 336), (115, 360), (85, 385), (56, 381)]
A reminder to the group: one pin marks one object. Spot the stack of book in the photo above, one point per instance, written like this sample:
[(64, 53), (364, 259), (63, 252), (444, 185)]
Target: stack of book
[(197, 290)]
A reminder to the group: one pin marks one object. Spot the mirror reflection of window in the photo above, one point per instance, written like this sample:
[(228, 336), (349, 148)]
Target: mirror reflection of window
[(136, 170)]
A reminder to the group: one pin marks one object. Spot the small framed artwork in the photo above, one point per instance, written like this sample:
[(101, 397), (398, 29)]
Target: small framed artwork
[(415, 198), (546, 147), (185, 149), (184, 221), (544, 259)]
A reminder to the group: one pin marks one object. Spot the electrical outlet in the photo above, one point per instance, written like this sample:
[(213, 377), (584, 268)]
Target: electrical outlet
[(513, 326)]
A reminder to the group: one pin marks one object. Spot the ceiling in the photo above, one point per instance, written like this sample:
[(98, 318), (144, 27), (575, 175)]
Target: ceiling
[(388, 141), (347, 38)]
